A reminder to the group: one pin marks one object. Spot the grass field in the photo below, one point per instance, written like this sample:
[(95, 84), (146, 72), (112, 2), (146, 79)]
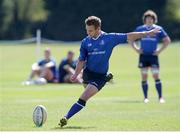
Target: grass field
[(118, 106)]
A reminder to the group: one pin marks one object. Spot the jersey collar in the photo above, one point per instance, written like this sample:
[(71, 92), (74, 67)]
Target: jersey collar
[(98, 35), (149, 27)]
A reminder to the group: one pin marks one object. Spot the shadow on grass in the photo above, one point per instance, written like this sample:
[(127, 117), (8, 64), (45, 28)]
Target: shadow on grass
[(72, 127)]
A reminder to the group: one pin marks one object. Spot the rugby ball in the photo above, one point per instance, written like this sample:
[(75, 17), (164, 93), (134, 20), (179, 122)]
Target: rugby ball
[(39, 115)]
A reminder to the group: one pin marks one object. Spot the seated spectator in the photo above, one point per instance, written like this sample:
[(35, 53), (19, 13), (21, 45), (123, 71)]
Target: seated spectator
[(45, 70), (67, 68)]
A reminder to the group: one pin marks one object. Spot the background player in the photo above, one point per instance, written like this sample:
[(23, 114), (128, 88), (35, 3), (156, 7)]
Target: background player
[(67, 68), (45, 69), (95, 52), (149, 52)]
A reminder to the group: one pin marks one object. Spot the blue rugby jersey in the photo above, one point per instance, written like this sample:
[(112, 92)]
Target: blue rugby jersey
[(43, 62), (96, 52), (149, 44), (62, 71)]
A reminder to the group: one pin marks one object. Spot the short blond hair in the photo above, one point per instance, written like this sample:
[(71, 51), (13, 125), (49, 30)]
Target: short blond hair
[(151, 14)]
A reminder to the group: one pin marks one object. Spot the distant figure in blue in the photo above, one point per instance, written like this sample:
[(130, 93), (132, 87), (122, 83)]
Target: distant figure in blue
[(95, 52), (45, 70), (149, 52), (67, 69)]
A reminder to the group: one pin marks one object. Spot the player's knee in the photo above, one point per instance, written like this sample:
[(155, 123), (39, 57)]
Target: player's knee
[(156, 76), (144, 77), (144, 73), (155, 73)]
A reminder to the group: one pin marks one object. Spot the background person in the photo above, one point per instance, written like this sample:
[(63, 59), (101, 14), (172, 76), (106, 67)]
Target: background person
[(45, 70), (67, 68), (95, 53), (149, 52)]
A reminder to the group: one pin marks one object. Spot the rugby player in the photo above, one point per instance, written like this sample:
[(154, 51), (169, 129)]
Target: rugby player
[(149, 52), (95, 52), (43, 69), (67, 68)]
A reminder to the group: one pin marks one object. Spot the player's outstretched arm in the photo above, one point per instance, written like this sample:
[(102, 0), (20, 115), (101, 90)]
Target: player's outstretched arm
[(78, 69), (137, 35)]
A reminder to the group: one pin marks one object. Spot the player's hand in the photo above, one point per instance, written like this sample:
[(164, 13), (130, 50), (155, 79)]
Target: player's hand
[(74, 77), (153, 32), (36, 67), (139, 51), (156, 53)]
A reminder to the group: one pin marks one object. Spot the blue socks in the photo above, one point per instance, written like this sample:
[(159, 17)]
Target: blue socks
[(145, 88), (159, 87), (76, 108)]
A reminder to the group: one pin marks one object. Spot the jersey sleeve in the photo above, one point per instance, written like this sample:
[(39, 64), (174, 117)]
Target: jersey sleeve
[(163, 33), (62, 63), (137, 29), (53, 62), (118, 38), (74, 64), (40, 63), (83, 52)]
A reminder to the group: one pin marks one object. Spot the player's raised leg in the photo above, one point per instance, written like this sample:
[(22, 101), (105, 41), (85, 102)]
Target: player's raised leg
[(89, 91)]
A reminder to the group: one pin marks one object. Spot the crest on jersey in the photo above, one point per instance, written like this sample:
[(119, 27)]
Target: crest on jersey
[(90, 44), (102, 42), (96, 49)]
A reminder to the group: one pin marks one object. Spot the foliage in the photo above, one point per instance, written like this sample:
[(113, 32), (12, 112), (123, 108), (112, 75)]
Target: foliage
[(64, 19)]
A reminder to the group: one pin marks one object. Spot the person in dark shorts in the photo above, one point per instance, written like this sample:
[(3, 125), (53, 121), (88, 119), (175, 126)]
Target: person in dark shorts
[(94, 57), (149, 52), (67, 68), (44, 70)]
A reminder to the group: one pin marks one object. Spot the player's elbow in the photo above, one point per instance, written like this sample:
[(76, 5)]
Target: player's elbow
[(167, 41), (130, 39)]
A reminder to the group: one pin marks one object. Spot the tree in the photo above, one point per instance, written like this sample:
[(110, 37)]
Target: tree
[(21, 16), (66, 17), (2, 16)]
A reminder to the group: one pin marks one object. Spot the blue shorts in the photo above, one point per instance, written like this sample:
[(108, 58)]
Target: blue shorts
[(148, 61), (93, 78)]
